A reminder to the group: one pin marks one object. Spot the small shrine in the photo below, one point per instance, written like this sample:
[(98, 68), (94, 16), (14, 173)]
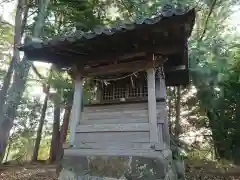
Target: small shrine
[(122, 133)]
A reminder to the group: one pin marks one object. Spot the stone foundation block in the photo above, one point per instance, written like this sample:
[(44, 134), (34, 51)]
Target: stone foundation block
[(118, 168)]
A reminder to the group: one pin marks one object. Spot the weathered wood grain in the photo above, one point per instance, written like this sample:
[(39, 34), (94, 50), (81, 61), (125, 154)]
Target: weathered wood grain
[(162, 116), (114, 145), (104, 137), (152, 108), (119, 68), (121, 127), (138, 127), (121, 120), (115, 115), (76, 113), (125, 113), (111, 152), (160, 133), (116, 107)]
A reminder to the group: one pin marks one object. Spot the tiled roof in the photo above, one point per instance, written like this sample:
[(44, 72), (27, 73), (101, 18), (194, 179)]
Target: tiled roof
[(167, 11)]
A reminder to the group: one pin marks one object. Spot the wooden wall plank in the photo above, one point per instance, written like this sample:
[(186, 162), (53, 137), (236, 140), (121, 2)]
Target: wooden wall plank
[(107, 152), (116, 114), (113, 127), (121, 120), (114, 145), (125, 113), (94, 116), (116, 127), (119, 137), (120, 117), (117, 107)]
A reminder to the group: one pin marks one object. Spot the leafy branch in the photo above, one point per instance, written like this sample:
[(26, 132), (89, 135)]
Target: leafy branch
[(207, 20)]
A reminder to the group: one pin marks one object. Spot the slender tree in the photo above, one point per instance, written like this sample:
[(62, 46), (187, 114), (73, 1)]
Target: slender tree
[(56, 127), (63, 131), (19, 26), (46, 90), (7, 78), (17, 88), (40, 126), (178, 107)]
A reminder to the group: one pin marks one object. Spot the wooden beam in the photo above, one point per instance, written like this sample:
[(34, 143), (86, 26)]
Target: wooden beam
[(119, 56), (119, 68), (166, 134), (152, 107), (113, 127), (131, 55), (175, 68), (111, 145), (115, 121), (67, 59), (111, 152), (76, 108), (162, 88), (159, 147)]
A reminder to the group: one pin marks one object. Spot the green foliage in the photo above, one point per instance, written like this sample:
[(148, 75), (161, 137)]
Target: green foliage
[(214, 65), (202, 154), (6, 35), (22, 139), (6, 40), (212, 61), (44, 150)]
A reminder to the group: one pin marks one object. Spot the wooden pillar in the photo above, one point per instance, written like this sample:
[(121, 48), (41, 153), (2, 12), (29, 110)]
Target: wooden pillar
[(162, 88), (163, 95), (99, 93), (152, 111), (76, 112)]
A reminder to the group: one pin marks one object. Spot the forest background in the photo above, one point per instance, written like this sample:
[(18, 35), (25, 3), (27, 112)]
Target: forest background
[(36, 98)]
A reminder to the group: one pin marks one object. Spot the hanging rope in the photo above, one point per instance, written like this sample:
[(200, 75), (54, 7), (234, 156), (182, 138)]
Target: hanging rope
[(122, 77), (154, 58), (118, 78)]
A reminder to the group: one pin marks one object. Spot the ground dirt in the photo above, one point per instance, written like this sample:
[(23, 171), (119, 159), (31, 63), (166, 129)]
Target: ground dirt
[(195, 170)]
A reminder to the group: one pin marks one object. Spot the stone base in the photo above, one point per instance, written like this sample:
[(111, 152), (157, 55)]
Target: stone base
[(119, 167)]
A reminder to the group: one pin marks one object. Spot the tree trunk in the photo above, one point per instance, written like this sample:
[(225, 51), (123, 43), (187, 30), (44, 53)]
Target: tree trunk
[(16, 55), (8, 111), (8, 150), (170, 109), (64, 127), (46, 89), (178, 107), (7, 78), (236, 150), (219, 136), (56, 126), (40, 127), (63, 131)]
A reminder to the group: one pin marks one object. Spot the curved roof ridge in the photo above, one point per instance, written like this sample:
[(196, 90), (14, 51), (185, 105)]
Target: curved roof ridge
[(123, 25)]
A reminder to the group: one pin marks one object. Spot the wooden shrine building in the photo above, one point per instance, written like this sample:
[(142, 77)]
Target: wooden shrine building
[(123, 131)]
